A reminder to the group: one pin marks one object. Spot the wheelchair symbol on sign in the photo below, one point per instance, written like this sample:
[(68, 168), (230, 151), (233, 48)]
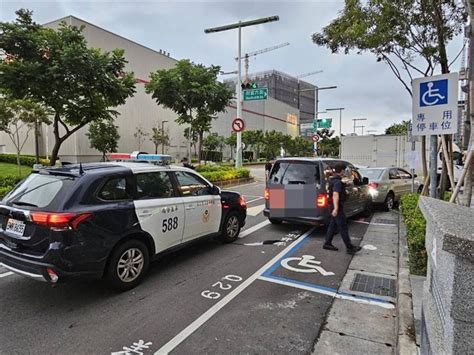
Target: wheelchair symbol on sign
[(306, 264), (431, 96)]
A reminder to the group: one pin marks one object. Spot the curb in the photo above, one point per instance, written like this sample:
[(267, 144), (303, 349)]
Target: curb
[(406, 343)]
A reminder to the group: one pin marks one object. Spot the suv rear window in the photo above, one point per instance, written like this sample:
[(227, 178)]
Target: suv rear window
[(295, 172), (39, 190)]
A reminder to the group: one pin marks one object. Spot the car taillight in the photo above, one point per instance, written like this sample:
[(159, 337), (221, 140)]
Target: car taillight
[(242, 201), (266, 194), (59, 220), (373, 185), (322, 200)]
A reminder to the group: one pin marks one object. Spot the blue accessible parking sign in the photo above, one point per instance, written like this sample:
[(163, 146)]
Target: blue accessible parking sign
[(434, 93)]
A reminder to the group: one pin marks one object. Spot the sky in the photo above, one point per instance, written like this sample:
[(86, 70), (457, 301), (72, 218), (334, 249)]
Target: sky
[(365, 88)]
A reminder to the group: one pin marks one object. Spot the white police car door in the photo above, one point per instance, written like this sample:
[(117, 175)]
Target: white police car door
[(159, 209), (202, 208)]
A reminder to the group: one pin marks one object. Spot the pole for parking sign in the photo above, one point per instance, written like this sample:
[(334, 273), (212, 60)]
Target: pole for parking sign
[(238, 153), (433, 165)]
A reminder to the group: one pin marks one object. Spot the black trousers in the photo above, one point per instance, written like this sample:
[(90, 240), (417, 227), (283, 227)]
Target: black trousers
[(340, 222)]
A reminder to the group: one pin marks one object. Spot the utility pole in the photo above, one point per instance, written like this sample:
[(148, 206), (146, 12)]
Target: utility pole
[(163, 137), (298, 89), (340, 125), (238, 26)]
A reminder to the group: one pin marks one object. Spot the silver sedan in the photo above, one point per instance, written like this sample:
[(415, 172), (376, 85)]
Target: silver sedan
[(386, 185)]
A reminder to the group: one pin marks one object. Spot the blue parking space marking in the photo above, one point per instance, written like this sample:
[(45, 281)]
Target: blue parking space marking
[(267, 275)]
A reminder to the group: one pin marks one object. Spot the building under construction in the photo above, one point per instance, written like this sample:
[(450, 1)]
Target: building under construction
[(285, 88)]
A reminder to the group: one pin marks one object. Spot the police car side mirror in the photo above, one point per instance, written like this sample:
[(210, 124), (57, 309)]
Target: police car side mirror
[(365, 181), (216, 190)]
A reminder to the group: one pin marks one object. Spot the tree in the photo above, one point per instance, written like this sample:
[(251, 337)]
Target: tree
[(410, 36), (140, 135), (398, 128), (103, 136), (192, 137), (299, 147), (17, 119), (273, 142), (55, 68), (330, 146), (159, 138), (192, 92), (231, 142)]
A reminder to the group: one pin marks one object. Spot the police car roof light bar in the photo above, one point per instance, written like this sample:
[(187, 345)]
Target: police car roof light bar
[(142, 156)]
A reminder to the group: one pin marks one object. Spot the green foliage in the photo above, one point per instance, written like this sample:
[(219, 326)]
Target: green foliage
[(26, 160), (409, 35), (55, 68), (103, 136), (193, 92), (416, 229), (225, 174), (7, 182), (398, 128), (159, 138)]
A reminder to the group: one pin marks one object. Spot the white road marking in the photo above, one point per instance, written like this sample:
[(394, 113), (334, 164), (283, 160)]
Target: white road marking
[(369, 247), (255, 199), (254, 211), (254, 228), (6, 274), (374, 224), (329, 293), (190, 329)]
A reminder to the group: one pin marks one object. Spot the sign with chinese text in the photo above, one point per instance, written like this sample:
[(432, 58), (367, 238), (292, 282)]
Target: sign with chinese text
[(255, 94), (435, 105), (322, 123)]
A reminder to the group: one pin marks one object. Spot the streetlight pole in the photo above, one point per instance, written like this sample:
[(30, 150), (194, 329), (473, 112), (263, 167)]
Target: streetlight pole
[(163, 137), (238, 26)]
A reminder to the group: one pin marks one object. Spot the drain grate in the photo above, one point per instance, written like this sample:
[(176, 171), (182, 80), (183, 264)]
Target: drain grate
[(385, 221), (373, 284)]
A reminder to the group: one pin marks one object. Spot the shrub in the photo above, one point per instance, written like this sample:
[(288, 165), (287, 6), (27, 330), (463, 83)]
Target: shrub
[(416, 229), (227, 173), (7, 183), (28, 160)]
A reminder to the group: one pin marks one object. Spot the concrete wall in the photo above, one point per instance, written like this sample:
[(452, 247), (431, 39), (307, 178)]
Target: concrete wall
[(448, 295), (142, 111)]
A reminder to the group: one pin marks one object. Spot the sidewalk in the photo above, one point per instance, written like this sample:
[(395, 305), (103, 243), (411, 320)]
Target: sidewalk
[(358, 328)]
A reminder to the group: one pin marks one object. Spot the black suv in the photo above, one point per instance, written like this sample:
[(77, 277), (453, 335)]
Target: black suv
[(297, 191), (109, 219)]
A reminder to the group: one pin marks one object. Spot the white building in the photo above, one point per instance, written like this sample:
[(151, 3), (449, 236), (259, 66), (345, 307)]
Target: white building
[(142, 111)]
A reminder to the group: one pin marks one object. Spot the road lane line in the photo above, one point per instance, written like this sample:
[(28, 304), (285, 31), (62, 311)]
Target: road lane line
[(190, 329), (6, 274), (255, 211), (255, 199), (374, 224), (254, 228), (327, 291)]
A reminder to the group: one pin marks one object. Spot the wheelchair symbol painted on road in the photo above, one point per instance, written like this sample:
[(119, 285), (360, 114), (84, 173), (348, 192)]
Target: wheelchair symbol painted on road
[(434, 93), (306, 264)]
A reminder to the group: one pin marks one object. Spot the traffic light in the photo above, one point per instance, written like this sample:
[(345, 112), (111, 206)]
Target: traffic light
[(248, 86)]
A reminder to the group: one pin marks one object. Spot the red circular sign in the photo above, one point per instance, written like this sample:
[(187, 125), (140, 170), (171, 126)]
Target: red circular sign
[(315, 138), (238, 125)]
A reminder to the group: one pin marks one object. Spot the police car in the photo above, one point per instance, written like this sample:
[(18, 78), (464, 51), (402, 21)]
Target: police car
[(108, 220)]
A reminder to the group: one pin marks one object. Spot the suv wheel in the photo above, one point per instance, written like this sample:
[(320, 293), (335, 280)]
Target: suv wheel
[(127, 265), (275, 221), (230, 228), (389, 201)]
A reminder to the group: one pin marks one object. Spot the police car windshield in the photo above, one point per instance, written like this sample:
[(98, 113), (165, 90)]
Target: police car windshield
[(294, 172)]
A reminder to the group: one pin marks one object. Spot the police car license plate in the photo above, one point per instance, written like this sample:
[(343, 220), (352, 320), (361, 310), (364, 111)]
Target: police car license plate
[(15, 227)]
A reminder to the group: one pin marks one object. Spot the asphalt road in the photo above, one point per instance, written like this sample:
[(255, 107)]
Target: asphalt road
[(209, 297)]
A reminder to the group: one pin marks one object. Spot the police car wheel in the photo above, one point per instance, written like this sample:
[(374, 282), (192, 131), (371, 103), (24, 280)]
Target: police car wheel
[(127, 265), (231, 228), (275, 221)]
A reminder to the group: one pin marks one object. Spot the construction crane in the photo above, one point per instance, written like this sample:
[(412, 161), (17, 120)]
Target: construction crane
[(308, 74), (255, 53)]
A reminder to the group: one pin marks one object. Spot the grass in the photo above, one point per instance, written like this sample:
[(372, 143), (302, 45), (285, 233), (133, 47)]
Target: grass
[(7, 169)]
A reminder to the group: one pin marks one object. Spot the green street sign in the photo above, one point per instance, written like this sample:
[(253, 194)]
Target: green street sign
[(322, 123), (255, 94)]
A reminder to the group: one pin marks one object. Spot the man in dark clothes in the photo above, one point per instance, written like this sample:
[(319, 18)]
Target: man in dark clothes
[(337, 197), (186, 164)]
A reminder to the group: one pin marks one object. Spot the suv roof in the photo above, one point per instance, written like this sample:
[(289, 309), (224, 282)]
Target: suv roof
[(308, 159), (73, 169)]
